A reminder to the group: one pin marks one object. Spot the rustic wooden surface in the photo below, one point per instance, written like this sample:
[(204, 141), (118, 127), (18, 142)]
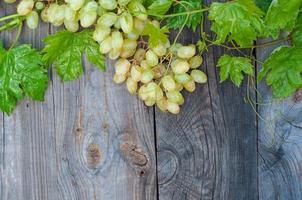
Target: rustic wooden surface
[(90, 139)]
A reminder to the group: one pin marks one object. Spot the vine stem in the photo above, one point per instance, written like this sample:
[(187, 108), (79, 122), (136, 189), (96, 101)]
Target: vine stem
[(17, 36), (9, 17), (179, 14)]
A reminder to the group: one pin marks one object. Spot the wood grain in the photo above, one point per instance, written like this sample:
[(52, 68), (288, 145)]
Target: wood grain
[(104, 139), (280, 143), (209, 151)]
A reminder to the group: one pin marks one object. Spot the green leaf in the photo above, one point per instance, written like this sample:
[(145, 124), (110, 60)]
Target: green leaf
[(233, 67), (297, 32), (22, 73), (263, 4), (159, 7), (283, 71), (156, 35), (65, 49), (239, 20), (184, 6), (282, 14)]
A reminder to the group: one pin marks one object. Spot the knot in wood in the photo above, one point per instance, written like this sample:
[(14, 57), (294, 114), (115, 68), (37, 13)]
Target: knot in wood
[(133, 154), (93, 155), (167, 166)]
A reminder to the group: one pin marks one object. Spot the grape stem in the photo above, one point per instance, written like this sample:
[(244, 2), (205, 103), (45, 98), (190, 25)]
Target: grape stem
[(179, 14), (9, 17)]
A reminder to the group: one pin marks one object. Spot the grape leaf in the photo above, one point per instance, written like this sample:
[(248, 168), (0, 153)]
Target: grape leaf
[(159, 7), (283, 71), (282, 14), (263, 4), (239, 20), (22, 73), (296, 35), (64, 49), (233, 67), (156, 35), (183, 6)]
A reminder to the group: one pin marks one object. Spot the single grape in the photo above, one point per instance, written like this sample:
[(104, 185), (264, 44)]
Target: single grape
[(25, 7), (107, 19), (122, 66), (136, 73), (140, 54), (32, 20), (147, 76), (182, 78), (151, 58), (39, 5), (105, 45), (76, 4), (199, 76), (175, 97), (143, 93), (162, 104), (138, 10), (101, 32), (195, 62), (150, 102), (123, 2), (71, 25), (159, 71), (126, 22), (160, 50), (145, 65), (139, 25), (131, 85), (114, 53), (128, 48), (119, 78), (117, 40), (70, 14), (180, 66), (190, 86), (173, 107), (168, 83), (108, 4), (186, 52)]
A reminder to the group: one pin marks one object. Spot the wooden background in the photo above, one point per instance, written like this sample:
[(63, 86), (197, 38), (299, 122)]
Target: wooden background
[(92, 140)]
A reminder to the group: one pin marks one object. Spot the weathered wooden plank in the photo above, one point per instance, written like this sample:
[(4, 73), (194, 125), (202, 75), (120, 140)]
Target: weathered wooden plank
[(28, 157), (104, 140), (209, 151), (280, 143)]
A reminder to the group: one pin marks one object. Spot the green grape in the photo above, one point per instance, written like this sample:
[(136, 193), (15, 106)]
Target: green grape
[(195, 62), (173, 107), (175, 97), (114, 53), (168, 83), (151, 89), (160, 50), (190, 86), (180, 66), (101, 11), (139, 25), (147, 76), (143, 93), (56, 14), (44, 15), (119, 78), (107, 19), (145, 65), (179, 87), (101, 32), (151, 58), (133, 35), (88, 14), (128, 48), (25, 7), (136, 73), (117, 24), (150, 102), (105, 45), (126, 22), (70, 14), (182, 78), (122, 66), (72, 26), (140, 54), (138, 10), (186, 52), (32, 20), (156, 23), (162, 104), (76, 4), (159, 93), (39, 5), (199, 76), (117, 40), (131, 85), (108, 4)]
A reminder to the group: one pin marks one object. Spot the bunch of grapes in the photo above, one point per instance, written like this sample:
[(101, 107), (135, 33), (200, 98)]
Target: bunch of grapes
[(157, 75)]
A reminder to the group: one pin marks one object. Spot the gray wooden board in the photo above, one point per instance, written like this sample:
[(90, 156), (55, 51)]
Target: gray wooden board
[(280, 143), (212, 145)]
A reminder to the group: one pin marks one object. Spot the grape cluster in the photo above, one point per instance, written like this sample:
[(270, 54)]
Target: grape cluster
[(157, 75)]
